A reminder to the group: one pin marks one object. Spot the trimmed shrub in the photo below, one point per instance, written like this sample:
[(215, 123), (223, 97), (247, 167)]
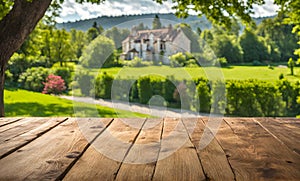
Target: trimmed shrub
[(103, 86), (134, 93), (168, 89), (177, 60), (54, 85), (204, 96), (180, 93), (65, 73), (257, 63), (137, 62), (33, 78), (253, 98), (84, 81), (144, 89), (221, 61)]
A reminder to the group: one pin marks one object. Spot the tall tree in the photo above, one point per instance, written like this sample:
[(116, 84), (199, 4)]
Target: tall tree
[(279, 36), (117, 35), (19, 17), (99, 28), (156, 24), (99, 53), (78, 41), (253, 47), (61, 46)]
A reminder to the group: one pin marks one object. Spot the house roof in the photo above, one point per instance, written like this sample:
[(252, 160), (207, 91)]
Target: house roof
[(165, 34)]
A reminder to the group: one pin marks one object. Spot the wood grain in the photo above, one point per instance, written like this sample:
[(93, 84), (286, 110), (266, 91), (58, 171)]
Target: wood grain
[(140, 162), (178, 158), (104, 149), (18, 128), (103, 158), (20, 123), (6, 121), (254, 154), (12, 139), (47, 157), (213, 157), (287, 134)]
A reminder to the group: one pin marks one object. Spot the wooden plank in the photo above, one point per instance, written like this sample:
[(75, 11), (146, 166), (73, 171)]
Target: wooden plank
[(140, 162), (254, 154), (178, 158), (292, 123), (47, 157), (213, 157), (25, 134), (283, 132), (23, 121), (18, 128), (6, 121), (102, 160)]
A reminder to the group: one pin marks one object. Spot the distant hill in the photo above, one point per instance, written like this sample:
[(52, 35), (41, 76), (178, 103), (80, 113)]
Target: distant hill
[(127, 21)]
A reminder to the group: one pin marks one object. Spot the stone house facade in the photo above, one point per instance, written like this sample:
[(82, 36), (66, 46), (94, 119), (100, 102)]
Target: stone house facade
[(155, 45)]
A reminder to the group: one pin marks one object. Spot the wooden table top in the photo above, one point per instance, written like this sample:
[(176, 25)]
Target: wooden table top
[(149, 149)]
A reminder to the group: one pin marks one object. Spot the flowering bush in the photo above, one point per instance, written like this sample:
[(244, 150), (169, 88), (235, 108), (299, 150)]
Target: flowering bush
[(54, 85)]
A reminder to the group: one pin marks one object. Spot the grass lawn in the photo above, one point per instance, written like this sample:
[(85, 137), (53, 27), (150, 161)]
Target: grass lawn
[(25, 103), (230, 73)]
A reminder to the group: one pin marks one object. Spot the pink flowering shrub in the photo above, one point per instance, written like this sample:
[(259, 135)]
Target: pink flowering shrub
[(54, 85)]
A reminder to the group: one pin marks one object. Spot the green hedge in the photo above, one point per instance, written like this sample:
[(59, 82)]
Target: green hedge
[(235, 97), (103, 86)]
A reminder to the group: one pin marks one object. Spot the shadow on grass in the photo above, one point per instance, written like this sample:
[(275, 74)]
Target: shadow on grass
[(227, 67), (40, 110), (11, 88), (295, 75)]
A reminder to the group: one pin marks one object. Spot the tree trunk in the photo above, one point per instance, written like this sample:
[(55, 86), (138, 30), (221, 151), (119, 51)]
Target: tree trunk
[(2, 78), (14, 29)]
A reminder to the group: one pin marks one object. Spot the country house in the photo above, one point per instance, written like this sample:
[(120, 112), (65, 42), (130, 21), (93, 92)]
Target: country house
[(155, 45)]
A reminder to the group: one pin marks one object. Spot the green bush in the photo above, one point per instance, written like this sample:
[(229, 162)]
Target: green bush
[(289, 93), (65, 73), (191, 63), (8, 78), (281, 76), (257, 63), (168, 89), (218, 100), (69, 65), (204, 96), (221, 61), (84, 82), (134, 93), (177, 60), (253, 98), (34, 78), (137, 62), (103, 86), (144, 89), (17, 65)]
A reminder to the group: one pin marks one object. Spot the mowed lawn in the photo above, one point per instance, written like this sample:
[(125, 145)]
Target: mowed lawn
[(25, 103), (229, 73)]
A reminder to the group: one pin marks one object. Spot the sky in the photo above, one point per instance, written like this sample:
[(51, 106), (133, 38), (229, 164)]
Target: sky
[(72, 11)]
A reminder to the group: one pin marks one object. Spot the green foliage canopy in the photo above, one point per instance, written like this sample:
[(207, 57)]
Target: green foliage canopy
[(99, 52)]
